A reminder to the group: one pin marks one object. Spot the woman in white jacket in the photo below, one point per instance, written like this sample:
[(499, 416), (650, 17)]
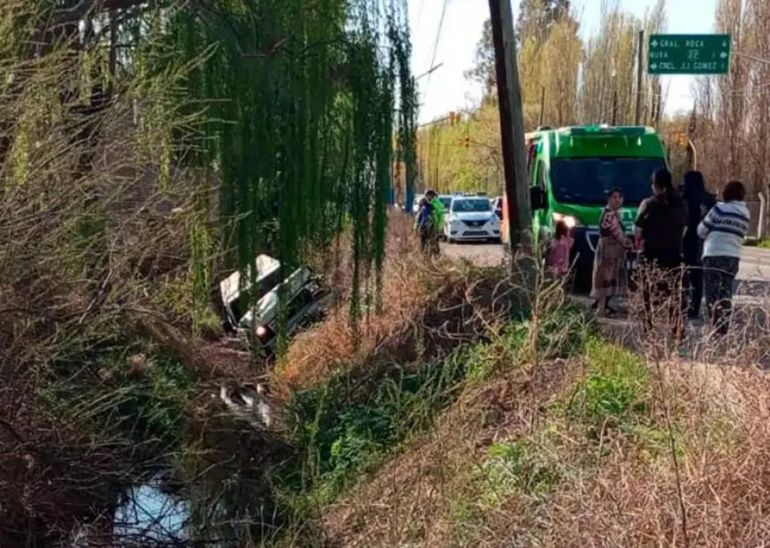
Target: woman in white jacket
[(723, 230)]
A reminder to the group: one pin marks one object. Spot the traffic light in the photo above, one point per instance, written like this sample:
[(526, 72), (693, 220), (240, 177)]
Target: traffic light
[(454, 118), (466, 141)]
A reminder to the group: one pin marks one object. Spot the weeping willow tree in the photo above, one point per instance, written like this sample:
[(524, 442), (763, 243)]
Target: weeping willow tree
[(300, 98)]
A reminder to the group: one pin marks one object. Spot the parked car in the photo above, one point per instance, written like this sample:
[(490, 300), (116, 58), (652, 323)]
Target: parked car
[(445, 199), (497, 206), (416, 203), (471, 219), (253, 310)]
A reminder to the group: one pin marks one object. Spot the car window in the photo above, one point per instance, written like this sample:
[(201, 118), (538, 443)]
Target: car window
[(253, 293), (300, 301), (473, 205)]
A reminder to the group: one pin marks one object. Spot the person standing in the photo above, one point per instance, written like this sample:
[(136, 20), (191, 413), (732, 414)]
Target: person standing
[(723, 230), (423, 224), (438, 212), (609, 274), (557, 260), (660, 225), (698, 202)]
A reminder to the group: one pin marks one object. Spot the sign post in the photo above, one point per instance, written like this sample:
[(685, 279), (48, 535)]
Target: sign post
[(689, 54)]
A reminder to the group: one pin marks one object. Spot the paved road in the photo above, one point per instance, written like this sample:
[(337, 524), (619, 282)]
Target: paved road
[(755, 264), (752, 305), (754, 275), (479, 254)]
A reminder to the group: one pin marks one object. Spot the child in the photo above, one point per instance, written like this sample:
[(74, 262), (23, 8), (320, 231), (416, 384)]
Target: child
[(557, 260)]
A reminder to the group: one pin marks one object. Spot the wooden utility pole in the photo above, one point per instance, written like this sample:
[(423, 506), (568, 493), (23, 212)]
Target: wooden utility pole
[(511, 126), (691, 153), (639, 67), (541, 119), (615, 108)]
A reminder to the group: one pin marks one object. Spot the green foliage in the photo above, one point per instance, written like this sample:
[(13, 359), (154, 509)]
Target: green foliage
[(560, 334), (518, 466), (615, 391), (175, 296), (146, 408), (563, 333), (653, 441), (448, 165), (344, 428), (465, 519), (157, 408), (201, 253), (536, 17), (82, 244), (300, 98), (343, 433), (482, 361), (754, 242)]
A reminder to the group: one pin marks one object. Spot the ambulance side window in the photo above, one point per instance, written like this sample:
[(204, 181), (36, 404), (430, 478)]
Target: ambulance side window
[(541, 175)]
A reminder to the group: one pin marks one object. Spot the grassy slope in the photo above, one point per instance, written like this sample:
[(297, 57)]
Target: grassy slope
[(520, 432), (578, 452)]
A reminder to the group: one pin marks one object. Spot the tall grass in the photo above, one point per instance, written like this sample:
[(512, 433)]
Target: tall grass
[(603, 446)]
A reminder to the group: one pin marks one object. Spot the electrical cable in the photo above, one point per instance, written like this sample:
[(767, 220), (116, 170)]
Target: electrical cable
[(436, 43)]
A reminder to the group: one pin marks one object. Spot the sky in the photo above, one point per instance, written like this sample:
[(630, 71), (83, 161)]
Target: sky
[(447, 88)]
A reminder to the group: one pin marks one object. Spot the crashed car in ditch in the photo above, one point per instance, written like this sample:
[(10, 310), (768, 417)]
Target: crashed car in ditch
[(253, 304)]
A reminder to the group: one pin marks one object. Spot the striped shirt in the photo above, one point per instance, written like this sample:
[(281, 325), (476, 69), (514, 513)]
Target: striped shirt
[(723, 229)]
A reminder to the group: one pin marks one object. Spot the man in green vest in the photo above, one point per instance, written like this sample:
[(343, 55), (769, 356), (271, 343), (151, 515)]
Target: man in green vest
[(437, 219)]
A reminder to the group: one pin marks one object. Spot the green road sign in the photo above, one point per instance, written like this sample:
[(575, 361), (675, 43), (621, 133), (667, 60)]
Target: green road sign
[(689, 54)]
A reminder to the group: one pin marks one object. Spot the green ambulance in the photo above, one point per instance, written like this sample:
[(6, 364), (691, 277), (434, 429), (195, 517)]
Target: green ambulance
[(572, 169)]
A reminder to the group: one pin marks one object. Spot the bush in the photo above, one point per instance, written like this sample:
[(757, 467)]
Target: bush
[(343, 428), (520, 466), (146, 404), (615, 390), (756, 242)]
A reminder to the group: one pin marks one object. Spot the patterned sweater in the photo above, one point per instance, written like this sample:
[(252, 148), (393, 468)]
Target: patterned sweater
[(723, 229)]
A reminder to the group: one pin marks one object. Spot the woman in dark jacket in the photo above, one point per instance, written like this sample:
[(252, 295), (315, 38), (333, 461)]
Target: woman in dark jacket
[(660, 224), (698, 202)]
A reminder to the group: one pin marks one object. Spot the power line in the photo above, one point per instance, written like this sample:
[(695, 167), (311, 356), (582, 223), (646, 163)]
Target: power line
[(752, 57), (435, 45)]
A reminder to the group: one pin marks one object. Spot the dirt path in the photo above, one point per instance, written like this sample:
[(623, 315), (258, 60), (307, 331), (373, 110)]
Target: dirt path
[(482, 254)]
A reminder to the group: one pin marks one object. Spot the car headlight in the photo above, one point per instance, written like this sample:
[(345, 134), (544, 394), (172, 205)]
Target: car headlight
[(263, 333), (568, 220)]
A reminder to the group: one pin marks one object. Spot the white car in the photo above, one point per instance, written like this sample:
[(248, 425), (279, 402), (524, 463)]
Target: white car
[(471, 219), (252, 311), (416, 203), (497, 206), (445, 199)]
